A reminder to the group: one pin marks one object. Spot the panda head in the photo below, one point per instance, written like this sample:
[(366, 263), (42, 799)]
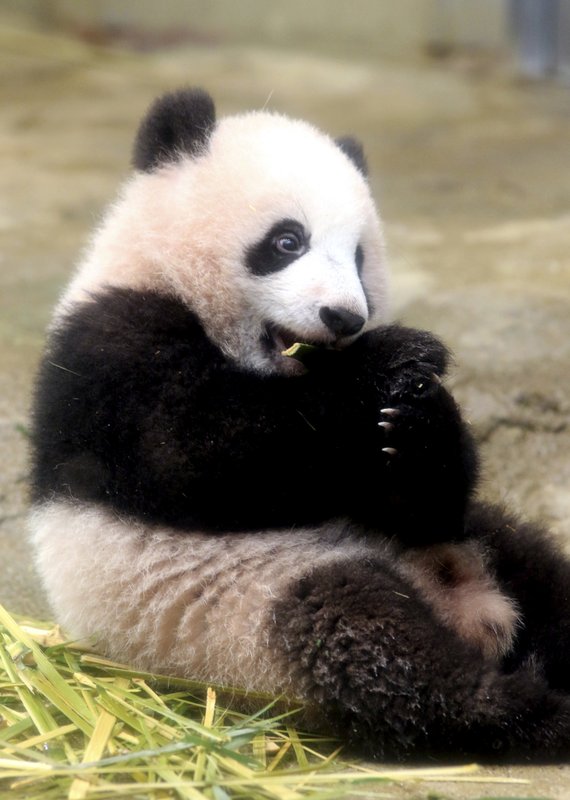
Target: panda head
[(262, 225)]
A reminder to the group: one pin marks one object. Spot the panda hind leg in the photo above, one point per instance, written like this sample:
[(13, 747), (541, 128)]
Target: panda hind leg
[(397, 683), (530, 567)]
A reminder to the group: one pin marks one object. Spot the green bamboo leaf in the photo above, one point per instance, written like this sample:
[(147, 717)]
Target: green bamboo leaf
[(75, 725)]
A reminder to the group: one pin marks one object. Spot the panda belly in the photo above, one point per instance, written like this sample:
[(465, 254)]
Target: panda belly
[(200, 605), (195, 605)]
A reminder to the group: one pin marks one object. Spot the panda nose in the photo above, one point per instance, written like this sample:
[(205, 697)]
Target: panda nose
[(340, 321)]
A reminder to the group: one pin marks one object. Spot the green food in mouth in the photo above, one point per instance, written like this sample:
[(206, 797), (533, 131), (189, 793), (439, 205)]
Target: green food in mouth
[(299, 350)]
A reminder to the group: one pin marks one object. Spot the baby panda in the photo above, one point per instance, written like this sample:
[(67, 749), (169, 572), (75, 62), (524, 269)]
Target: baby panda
[(206, 506)]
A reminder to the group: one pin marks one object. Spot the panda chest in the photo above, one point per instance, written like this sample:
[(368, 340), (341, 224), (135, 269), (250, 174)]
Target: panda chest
[(454, 579)]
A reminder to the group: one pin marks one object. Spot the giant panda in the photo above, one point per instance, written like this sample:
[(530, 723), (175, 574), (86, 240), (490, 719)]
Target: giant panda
[(205, 505)]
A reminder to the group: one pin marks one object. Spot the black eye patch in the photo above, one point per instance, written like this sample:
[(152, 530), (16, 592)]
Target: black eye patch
[(359, 259), (283, 243)]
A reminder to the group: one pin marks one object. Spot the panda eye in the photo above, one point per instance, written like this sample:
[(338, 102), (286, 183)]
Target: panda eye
[(283, 244), (288, 243)]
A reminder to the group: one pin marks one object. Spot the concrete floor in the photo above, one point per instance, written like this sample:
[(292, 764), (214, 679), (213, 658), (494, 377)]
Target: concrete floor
[(471, 171)]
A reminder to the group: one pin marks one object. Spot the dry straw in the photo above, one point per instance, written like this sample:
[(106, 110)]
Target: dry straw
[(75, 725)]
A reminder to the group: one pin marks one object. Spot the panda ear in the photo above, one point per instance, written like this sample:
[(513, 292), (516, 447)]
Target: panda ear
[(176, 123), (354, 150)]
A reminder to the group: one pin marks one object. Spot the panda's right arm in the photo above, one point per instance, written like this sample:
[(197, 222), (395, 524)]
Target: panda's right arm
[(426, 465), (137, 409)]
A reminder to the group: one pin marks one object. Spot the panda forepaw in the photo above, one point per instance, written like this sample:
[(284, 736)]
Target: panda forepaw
[(416, 348), (427, 451), (391, 451), (388, 427), (408, 412), (414, 383)]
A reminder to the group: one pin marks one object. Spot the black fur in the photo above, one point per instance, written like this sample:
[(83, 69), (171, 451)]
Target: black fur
[(135, 408), (398, 682), (176, 123), (354, 150), (359, 261)]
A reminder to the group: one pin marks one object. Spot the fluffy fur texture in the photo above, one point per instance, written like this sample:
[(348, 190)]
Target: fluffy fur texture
[(208, 507), (184, 229), (170, 430), (178, 123)]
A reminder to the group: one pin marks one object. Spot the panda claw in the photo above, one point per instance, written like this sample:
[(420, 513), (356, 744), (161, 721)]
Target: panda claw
[(390, 412), (435, 378), (391, 451), (386, 425)]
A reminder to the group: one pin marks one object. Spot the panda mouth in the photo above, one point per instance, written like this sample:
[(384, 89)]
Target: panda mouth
[(278, 339)]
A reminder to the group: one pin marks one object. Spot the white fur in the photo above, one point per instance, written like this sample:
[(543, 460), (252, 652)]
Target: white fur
[(196, 604), (465, 596), (186, 227), (193, 605)]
